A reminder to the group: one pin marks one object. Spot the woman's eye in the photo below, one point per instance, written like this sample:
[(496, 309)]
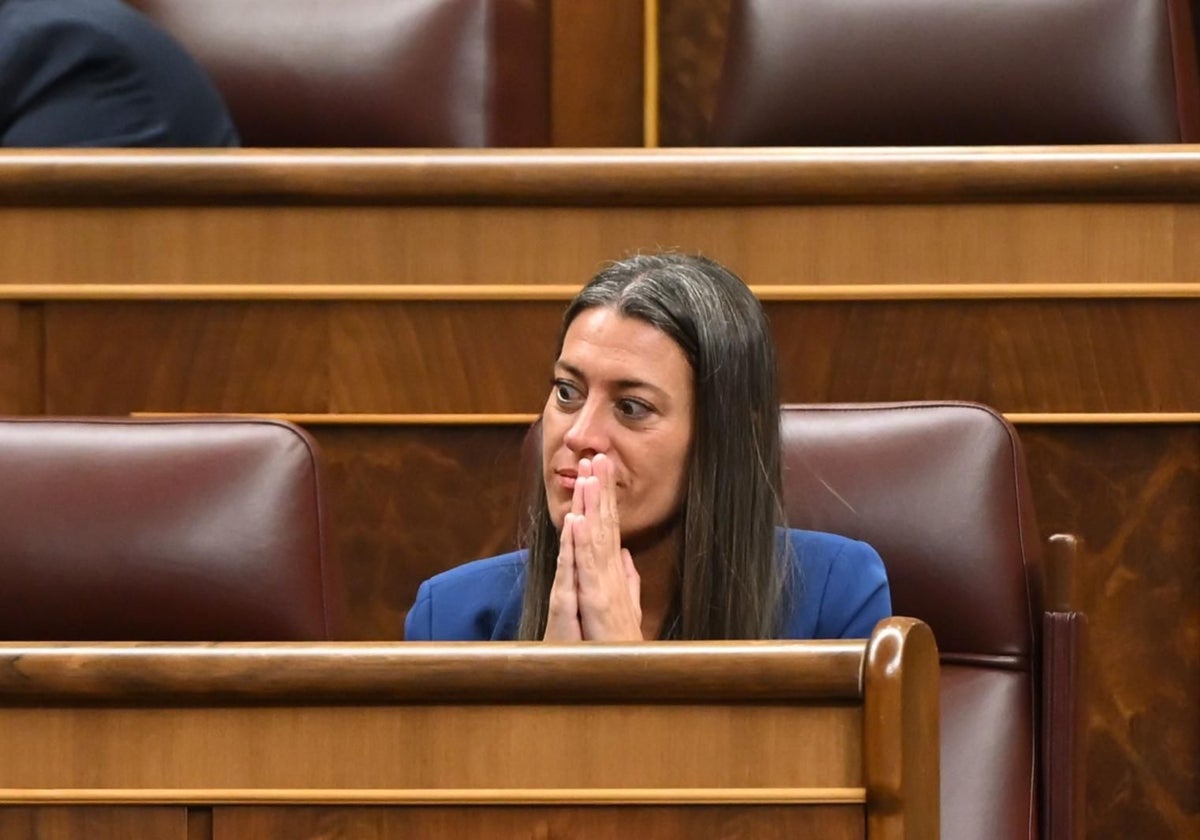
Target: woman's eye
[(564, 392), (632, 409)]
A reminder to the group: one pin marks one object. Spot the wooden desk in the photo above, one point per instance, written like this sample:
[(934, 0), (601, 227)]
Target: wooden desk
[(829, 739)]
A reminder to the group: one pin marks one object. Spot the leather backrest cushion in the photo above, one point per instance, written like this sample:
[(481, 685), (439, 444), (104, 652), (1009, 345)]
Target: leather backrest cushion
[(948, 72), (373, 72), (173, 530), (988, 756), (940, 490)]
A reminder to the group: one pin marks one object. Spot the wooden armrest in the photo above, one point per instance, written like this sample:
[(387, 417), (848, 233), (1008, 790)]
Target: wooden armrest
[(1064, 645)]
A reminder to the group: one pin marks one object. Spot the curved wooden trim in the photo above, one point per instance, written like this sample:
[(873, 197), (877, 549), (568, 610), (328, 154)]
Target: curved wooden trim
[(152, 292), (976, 291), (1067, 418), (901, 758), (436, 796), (616, 177), (1016, 418), (513, 293), (430, 672), (363, 419)]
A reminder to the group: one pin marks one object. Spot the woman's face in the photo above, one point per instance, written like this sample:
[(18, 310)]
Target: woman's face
[(624, 388)]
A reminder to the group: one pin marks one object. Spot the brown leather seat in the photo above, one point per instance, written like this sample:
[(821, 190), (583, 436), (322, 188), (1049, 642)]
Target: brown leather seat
[(201, 530), (373, 72), (940, 490), (949, 72)]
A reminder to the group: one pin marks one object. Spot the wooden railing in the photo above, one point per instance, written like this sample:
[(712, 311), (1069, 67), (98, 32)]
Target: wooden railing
[(830, 739)]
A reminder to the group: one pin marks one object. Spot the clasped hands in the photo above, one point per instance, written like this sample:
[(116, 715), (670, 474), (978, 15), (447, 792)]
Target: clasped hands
[(596, 594)]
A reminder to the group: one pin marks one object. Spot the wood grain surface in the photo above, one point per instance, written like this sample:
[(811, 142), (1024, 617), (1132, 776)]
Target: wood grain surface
[(596, 72), (1023, 355), (627, 178), (1132, 495), (421, 746), (829, 822), (307, 674), (786, 245), (691, 53), (19, 822)]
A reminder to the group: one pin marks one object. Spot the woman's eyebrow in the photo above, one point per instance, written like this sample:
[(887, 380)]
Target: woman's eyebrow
[(620, 383), (571, 369)]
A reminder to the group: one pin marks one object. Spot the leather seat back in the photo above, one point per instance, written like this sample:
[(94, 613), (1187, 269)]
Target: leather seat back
[(355, 73), (954, 73), (199, 530), (940, 490)]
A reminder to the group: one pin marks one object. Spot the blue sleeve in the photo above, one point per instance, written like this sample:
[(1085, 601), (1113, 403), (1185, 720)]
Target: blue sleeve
[(418, 624), (856, 595)]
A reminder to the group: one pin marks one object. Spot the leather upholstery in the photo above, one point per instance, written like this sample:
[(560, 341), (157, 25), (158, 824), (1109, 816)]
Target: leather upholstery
[(948, 72), (373, 72), (940, 490), (201, 530)]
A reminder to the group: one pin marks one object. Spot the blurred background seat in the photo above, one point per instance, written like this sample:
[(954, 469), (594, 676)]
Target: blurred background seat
[(952, 73), (345, 73), (148, 530)]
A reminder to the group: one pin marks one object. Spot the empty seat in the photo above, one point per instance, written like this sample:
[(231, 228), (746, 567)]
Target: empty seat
[(200, 530), (947, 72)]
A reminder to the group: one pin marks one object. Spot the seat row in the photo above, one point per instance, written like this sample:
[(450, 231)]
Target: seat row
[(818, 73), (215, 529)]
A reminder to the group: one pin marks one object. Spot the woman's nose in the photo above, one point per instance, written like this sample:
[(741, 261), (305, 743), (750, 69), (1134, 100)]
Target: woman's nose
[(587, 433)]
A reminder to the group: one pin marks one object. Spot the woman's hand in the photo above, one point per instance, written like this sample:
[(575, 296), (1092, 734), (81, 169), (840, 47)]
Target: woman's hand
[(562, 620), (608, 589), (596, 593)]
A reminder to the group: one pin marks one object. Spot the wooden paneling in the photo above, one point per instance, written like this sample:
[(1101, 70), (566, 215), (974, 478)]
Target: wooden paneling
[(770, 822), (197, 358), (365, 747), (11, 369), (424, 357), (21, 385), (49, 822), (897, 244), (1015, 355), (691, 53), (596, 72), (495, 357), (392, 526), (1133, 495), (200, 823)]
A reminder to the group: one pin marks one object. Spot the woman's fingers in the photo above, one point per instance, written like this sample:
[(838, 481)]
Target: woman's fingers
[(609, 605), (562, 620), (583, 471), (610, 521), (634, 581)]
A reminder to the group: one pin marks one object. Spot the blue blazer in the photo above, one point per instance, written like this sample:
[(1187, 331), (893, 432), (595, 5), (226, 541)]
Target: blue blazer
[(842, 593), (100, 73)]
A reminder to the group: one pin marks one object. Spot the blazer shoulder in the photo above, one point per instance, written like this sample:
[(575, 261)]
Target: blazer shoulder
[(480, 574), (467, 602), (840, 587)]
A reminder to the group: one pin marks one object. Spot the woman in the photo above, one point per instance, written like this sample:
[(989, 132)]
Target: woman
[(658, 515)]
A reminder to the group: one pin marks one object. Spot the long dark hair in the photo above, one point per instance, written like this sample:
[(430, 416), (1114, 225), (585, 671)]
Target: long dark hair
[(731, 568)]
